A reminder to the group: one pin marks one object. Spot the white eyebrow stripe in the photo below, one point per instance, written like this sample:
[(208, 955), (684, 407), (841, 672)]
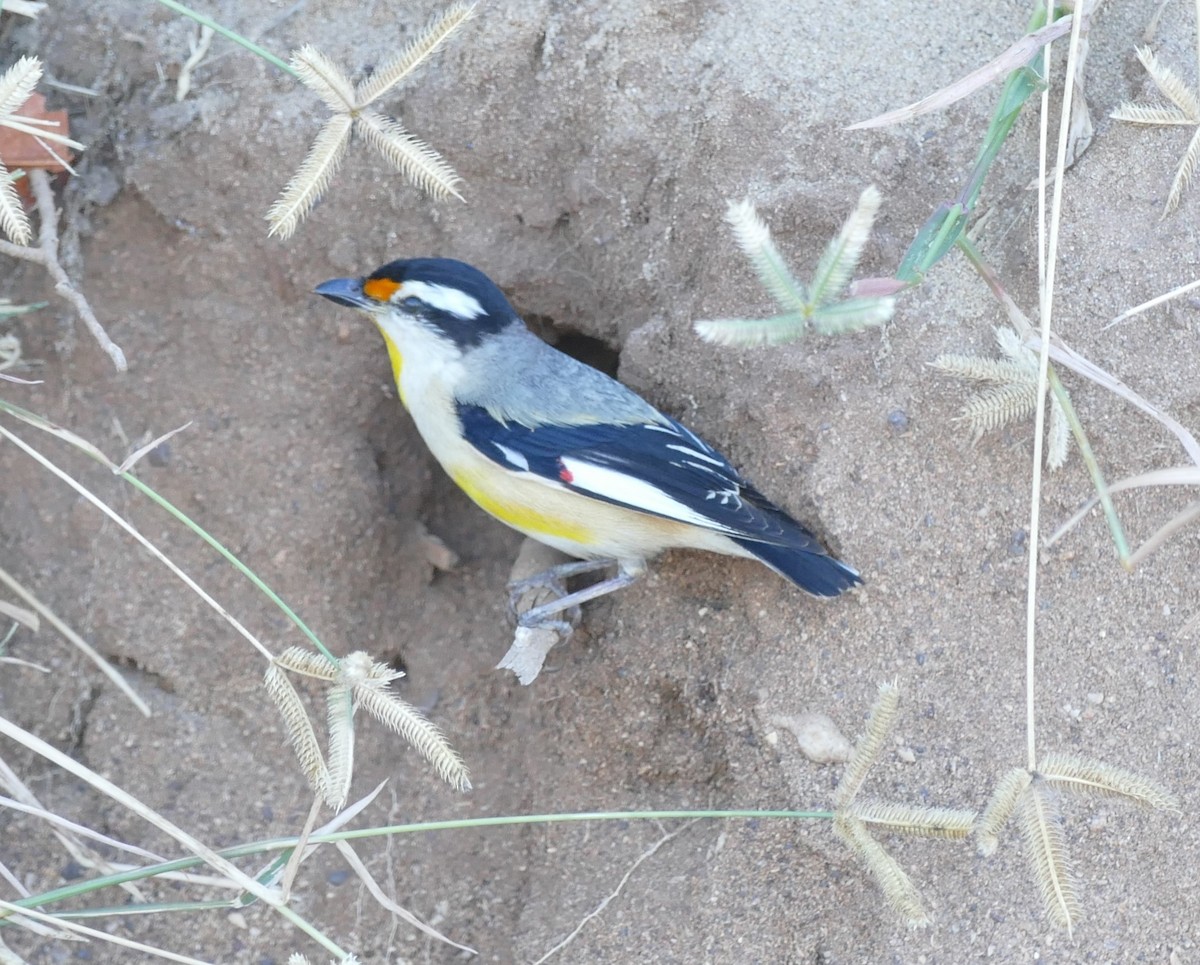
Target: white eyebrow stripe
[(513, 457), (698, 455), (442, 297), (634, 493)]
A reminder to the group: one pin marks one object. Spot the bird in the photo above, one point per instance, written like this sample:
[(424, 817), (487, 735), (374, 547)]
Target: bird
[(559, 450)]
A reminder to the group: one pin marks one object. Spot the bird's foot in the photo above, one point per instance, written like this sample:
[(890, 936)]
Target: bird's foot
[(531, 601)]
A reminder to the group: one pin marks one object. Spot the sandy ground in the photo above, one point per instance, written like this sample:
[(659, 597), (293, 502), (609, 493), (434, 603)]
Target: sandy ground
[(599, 143)]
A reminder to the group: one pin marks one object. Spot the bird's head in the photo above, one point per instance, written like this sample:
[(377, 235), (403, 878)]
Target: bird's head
[(422, 297)]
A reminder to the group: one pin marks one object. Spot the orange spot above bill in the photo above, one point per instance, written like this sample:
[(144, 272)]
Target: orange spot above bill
[(381, 289)]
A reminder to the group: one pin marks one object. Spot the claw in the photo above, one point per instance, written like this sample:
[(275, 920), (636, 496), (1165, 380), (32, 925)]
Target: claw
[(542, 591)]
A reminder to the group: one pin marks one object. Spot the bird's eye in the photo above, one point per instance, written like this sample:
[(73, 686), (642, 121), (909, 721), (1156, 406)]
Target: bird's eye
[(412, 303)]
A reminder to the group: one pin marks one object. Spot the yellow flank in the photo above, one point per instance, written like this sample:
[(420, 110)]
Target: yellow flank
[(520, 516), (397, 361)]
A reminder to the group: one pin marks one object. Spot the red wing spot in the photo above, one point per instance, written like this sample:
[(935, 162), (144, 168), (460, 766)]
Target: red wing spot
[(565, 474)]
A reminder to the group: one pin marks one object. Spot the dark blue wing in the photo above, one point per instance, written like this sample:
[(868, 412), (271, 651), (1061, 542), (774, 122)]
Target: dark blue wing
[(661, 468), (666, 470)]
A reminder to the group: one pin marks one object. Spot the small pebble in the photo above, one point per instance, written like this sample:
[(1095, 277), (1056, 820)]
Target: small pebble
[(72, 870), (160, 455), (898, 420), (437, 554), (819, 738)]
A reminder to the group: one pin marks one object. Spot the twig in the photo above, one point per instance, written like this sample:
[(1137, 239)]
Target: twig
[(199, 48), (76, 641), (136, 534), (1015, 57), (648, 853), (1047, 308), (1158, 300), (46, 255), (24, 8)]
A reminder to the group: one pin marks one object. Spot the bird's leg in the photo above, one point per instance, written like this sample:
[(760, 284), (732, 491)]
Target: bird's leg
[(552, 579), (541, 616)]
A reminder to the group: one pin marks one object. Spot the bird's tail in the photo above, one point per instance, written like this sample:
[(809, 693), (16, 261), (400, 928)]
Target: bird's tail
[(808, 566)]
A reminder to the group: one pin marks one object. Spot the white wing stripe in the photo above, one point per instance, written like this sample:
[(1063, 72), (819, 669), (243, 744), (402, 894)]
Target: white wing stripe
[(635, 493), (698, 455), (513, 457)]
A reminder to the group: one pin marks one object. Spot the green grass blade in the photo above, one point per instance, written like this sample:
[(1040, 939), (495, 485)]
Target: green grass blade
[(228, 34), (937, 236)]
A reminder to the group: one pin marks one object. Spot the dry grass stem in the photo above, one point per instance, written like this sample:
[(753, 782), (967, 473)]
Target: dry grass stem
[(1155, 301), (300, 733), (68, 833), (339, 718), (81, 932), (1000, 807), (58, 821), (46, 255), (280, 871), (1010, 394), (913, 820), (1064, 355), (393, 907), (129, 528), (101, 664), (866, 749), (1172, 526), (1033, 796), (1183, 109), (1041, 827), (357, 682), (614, 894), (131, 803), (1082, 775), (198, 50), (19, 615), (895, 884), (24, 8), (1174, 476), (1017, 55), (415, 159)]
